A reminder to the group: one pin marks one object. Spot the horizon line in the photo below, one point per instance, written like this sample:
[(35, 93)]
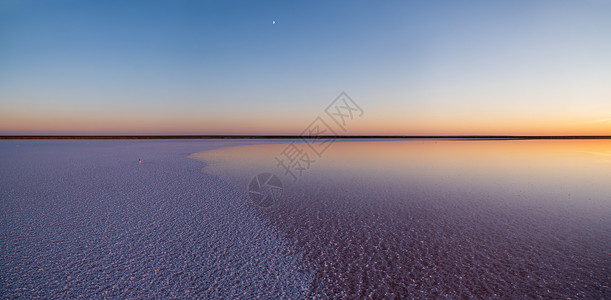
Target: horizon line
[(449, 137)]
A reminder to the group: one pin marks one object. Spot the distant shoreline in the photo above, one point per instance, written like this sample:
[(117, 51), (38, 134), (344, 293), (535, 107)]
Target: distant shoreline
[(281, 137)]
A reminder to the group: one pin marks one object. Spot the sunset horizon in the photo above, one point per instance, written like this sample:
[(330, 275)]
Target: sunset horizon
[(503, 68), (163, 126), (349, 149)]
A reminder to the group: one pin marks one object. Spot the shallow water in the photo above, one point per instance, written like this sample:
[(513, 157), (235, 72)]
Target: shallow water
[(418, 219), (85, 219), (435, 219)]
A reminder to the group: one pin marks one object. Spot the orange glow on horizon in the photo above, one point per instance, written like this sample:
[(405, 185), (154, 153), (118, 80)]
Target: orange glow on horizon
[(157, 123)]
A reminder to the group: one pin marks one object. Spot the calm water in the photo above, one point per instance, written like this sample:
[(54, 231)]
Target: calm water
[(441, 218), (409, 219)]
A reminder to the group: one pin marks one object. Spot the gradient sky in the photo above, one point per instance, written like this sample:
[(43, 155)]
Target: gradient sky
[(222, 67)]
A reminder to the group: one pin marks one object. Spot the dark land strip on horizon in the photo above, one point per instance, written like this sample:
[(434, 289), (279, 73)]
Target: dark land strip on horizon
[(271, 137)]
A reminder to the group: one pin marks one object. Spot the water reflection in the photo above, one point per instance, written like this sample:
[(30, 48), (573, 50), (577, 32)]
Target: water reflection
[(435, 218), (575, 172)]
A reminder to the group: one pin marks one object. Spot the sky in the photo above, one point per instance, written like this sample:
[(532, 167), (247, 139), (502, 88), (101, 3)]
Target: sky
[(273, 67)]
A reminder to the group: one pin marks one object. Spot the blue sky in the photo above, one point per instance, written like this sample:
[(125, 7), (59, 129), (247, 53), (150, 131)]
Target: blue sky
[(419, 67)]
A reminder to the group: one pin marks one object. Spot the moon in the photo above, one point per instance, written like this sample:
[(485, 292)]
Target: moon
[(274, 22)]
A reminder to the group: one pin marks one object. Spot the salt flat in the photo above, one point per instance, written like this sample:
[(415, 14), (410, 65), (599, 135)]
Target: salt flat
[(442, 219), (85, 219), (382, 219)]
